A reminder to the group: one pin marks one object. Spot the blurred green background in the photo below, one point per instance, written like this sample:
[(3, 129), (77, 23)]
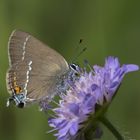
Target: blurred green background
[(107, 27)]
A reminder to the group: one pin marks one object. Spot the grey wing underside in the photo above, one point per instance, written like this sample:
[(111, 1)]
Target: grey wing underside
[(35, 66)]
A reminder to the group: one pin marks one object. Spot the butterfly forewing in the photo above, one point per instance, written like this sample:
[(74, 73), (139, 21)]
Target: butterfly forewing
[(34, 67)]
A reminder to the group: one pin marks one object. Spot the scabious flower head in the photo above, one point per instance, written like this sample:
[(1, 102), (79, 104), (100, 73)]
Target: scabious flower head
[(80, 103)]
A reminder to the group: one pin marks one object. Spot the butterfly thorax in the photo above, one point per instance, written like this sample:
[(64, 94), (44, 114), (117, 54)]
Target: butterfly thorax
[(68, 79)]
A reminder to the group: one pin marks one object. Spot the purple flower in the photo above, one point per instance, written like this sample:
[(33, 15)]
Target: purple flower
[(79, 104), (110, 76)]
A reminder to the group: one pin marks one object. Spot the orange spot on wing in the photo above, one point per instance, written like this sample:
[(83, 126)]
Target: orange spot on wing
[(17, 89)]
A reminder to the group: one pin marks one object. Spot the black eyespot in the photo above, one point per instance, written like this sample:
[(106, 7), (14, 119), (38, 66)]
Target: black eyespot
[(11, 99), (21, 105)]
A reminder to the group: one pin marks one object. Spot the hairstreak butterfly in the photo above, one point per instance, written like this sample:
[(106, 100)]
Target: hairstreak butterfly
[(36, 71)]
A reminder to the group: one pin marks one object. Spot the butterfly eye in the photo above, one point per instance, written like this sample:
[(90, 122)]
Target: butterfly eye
[(74, 67)]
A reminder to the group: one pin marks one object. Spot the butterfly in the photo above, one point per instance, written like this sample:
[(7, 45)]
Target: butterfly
[(36, 71)]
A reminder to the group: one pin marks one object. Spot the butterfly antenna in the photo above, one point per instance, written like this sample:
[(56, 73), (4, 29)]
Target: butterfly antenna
[(81, 52), (76, 51), (80, 41)]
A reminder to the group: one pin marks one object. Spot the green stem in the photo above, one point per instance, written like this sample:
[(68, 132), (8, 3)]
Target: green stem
[(109, 125)]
